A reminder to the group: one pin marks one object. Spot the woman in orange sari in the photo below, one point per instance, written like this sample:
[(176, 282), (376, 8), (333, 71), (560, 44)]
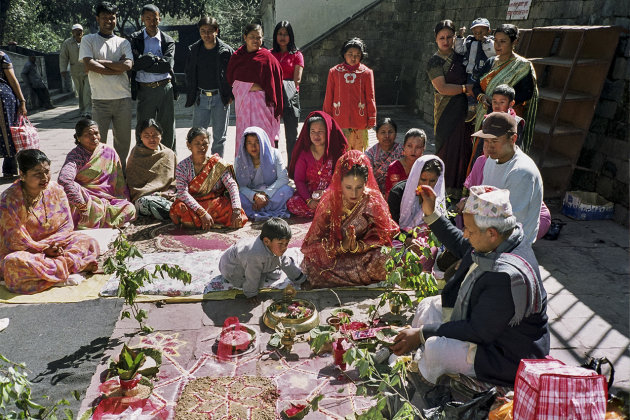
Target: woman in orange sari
[(207, 192), (351, 224)]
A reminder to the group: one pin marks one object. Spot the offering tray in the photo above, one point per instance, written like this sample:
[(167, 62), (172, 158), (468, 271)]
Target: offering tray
[(299, 314)]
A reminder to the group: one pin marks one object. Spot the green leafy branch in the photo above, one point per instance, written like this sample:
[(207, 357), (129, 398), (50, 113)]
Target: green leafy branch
[(15, 395), (130, 281), (385, 381)]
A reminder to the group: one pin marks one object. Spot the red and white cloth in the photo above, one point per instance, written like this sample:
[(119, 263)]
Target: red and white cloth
[(548, 389)]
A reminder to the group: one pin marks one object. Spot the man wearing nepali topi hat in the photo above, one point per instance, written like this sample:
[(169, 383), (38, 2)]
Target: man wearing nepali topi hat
[(492, 312)]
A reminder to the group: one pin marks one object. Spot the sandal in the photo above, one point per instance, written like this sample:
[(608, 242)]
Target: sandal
[(554, 229)]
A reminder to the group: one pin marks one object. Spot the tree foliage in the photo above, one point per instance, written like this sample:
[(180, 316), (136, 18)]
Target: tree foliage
[(20, 27)]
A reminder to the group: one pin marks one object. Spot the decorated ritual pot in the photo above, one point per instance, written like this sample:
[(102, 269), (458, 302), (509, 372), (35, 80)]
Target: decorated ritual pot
[(299, 314)]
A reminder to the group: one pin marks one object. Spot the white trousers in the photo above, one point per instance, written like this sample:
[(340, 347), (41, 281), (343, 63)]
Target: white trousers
[(441, 355)]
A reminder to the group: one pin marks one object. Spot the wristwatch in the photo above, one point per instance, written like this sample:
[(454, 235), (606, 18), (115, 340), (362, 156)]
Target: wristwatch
[(316, 195)]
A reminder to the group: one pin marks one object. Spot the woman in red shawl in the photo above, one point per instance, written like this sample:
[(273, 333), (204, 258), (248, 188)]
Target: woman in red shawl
[(351, 224), (256, 79), (320, 144)]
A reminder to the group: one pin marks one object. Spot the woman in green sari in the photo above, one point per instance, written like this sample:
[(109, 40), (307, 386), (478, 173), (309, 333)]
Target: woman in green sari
[(511, 69)]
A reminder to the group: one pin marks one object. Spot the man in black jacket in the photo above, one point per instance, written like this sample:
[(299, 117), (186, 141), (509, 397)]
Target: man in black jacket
[(492, 313), (206, 85), (152, 77)]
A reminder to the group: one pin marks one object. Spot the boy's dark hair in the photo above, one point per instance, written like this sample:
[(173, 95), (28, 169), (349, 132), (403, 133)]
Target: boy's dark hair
[(505, 90), (150, 8), (208, 20), (275, 228), (106, 7)]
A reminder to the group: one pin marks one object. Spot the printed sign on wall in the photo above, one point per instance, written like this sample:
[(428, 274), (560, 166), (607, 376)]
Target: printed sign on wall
[(518, 9)]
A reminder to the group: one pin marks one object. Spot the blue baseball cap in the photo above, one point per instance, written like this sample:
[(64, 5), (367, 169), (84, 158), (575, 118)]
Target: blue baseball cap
[(480, 22)]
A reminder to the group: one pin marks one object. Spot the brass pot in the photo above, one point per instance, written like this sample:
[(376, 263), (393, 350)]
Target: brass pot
[(300, 325)]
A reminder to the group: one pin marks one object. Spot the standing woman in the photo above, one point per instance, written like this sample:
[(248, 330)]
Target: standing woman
[(452, 134), (256, 79), (513, 70), (350, 94), (13, 104), (292, 62)]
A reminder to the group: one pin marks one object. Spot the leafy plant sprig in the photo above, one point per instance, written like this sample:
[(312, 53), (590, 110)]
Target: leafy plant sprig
[(404, 270), (15, 395), (132, 280)]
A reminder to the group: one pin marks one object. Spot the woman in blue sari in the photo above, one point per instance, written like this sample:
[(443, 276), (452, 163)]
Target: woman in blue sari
[(262, 178)]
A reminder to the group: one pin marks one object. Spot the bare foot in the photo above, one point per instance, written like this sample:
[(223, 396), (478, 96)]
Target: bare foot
[(91, 267)]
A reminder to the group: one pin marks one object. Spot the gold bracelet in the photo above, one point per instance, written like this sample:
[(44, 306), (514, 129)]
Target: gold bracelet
[(479, 97), (341, 248), (463, 88), (356, 248)]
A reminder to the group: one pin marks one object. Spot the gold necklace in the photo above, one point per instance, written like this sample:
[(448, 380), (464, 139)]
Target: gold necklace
[(29, 204)]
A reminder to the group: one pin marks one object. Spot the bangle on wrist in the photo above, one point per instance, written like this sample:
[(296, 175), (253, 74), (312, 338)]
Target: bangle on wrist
[(479, 97), (463, 88)]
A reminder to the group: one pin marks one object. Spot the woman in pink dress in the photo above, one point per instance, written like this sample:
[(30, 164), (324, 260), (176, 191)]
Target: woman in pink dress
[(413, 148), (320, 144), (292, 62), (256, 79)]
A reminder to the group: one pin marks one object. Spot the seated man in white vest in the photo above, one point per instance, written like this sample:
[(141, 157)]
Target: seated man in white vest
[(508, 167), (493, 311)]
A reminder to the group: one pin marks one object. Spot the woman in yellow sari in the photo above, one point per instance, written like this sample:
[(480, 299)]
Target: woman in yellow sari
[(515, 71), (207, 192)]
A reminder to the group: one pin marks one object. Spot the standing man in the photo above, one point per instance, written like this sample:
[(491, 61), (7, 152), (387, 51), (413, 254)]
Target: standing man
[(152, 77), (31, 76), (508, 167), (206, 84), (107, 58), (69, 54)]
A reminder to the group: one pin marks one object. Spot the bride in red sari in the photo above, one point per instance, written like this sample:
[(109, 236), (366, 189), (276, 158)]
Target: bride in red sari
[(351, 224)]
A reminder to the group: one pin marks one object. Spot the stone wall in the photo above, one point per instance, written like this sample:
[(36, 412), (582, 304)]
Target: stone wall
[(392, 52), (400, 40)]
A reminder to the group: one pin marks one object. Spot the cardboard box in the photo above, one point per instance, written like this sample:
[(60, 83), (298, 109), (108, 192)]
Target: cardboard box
[(582, 205)]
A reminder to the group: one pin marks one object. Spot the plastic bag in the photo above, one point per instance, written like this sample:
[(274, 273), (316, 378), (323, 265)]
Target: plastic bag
[(24, 135)]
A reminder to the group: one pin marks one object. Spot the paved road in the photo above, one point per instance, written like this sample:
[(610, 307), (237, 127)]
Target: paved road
[(585, 272)]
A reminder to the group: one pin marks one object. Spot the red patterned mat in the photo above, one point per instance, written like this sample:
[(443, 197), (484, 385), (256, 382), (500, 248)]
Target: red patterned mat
[(151, 237), (299, 378)]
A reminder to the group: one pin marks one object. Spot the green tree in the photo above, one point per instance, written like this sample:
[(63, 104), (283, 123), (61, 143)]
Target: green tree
[(19, 26)]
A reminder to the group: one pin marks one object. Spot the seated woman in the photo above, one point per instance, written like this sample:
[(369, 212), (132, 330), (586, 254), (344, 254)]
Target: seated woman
[(320, 144), (40, 249), (405, 204), (385, 152), (151, 173), (93, 179), (352, 223), (413, 148), (262, 178), (202, 185)]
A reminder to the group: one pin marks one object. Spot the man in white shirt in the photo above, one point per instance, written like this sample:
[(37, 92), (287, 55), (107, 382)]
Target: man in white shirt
[(152, 81), (69, 54), (508, 167), (107, 58)]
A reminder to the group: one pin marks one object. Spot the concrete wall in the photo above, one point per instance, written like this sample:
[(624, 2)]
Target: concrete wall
[(309, 18), (392, 54)]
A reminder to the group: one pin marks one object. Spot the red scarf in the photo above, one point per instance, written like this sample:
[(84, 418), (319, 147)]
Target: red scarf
[(259, 67), (336, 143)]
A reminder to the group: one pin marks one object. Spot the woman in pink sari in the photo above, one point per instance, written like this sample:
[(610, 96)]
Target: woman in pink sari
[(40, 249), (94, 182), (256, 79), (320, 144)]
